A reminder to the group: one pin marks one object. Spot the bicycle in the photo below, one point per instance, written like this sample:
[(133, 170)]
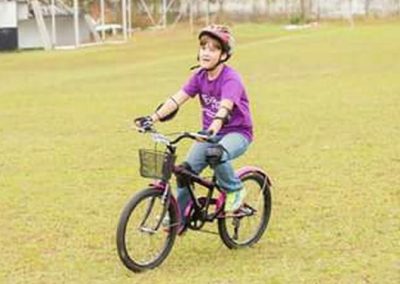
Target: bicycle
[(153, 213)]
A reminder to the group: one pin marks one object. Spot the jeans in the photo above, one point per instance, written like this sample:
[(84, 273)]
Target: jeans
[(235, 145)]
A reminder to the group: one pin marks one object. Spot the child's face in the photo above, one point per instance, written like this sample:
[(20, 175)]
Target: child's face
[(210, 52)]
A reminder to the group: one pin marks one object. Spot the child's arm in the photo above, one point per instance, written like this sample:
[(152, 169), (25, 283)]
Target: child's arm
[(171, 104), (222, 116)]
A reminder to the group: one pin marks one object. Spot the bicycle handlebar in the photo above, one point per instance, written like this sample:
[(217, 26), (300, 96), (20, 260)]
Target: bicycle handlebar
[(193, 136), (161, 138)]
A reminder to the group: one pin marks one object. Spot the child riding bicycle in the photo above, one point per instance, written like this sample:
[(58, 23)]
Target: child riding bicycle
[(225, 115)]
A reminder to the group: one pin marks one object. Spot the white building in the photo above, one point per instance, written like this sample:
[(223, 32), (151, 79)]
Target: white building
[(32, 24)]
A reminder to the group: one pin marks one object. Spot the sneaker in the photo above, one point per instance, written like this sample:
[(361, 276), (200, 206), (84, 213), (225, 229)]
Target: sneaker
[(234, 200), (166, 221)]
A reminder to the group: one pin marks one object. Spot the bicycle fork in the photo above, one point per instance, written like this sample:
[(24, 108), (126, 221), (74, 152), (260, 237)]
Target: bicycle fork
[(166, 200)]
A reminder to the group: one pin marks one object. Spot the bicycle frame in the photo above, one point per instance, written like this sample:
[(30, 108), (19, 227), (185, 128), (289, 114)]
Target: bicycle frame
[(194, 203)]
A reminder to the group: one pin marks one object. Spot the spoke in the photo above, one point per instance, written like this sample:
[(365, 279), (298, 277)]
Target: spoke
[(245, 226), (148, 211), (147, 242)]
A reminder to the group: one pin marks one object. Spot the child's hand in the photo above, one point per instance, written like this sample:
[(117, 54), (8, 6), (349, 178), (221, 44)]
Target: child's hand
[(206, 132), (211, 137), (144, 122)]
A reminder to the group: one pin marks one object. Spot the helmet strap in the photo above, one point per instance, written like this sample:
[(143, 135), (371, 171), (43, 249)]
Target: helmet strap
[(218, 63)]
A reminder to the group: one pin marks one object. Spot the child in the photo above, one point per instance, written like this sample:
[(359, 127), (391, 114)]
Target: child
[(225, 111)]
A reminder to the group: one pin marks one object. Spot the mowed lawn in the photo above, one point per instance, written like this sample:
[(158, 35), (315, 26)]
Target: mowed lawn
[(326, 108)]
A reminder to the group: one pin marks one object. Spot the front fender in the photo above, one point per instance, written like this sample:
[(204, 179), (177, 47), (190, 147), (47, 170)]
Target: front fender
[(158, 184)]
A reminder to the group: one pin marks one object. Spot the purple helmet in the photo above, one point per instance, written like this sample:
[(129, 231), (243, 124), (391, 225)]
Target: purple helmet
[(222, 34)]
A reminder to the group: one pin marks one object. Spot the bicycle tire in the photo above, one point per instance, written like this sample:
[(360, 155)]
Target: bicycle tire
[(124, 251), (223, 231)]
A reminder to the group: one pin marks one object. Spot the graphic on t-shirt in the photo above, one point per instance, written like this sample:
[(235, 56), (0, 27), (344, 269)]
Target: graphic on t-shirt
[(210, 104), (229, 86)]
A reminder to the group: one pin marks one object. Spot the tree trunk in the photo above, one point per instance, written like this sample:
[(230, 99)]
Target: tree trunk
[(221, 5), (351, 21), (366, 7), (310, 8), (305, 9), (220, 14), (267, 6), (302, 9), (287, 9), (398, 7), (183, 7)]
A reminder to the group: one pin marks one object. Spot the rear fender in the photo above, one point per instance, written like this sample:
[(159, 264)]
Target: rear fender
[(252, 169)]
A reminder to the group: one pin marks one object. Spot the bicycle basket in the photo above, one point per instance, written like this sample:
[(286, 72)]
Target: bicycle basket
[(156, 164)]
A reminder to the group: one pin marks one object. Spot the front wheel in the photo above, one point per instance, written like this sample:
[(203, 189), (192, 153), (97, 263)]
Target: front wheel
[(146, 230), (247, 227)]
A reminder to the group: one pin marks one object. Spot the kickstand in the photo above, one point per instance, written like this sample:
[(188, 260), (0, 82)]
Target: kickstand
[(236, 224)]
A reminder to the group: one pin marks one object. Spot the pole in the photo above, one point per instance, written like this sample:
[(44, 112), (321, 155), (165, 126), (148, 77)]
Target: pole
[(53, 23), (208, 13), (76, 22), (287, 9), (191, 15), (164, 13), (398, 7), (130, 18), (351, 13), (44, 33), (102, 20), (124, 22)]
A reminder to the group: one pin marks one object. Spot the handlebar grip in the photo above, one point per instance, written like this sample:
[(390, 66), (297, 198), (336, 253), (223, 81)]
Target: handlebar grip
[(202, 137)]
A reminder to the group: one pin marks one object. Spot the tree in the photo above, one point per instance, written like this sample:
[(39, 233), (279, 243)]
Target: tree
[(302, 9), (366, 7)]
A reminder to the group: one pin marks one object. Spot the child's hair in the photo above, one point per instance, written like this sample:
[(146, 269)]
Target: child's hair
[(206, 39)]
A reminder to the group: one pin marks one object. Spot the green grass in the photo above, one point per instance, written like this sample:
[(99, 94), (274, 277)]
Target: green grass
[(326, 105)]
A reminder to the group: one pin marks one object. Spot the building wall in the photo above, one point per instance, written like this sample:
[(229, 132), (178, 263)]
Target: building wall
[(29, 37), (8, 25), (8, 14)]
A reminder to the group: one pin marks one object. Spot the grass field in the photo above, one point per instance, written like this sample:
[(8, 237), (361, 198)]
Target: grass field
[(326, 104)]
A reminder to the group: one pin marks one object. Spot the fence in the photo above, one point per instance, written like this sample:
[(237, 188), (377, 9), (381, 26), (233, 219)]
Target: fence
[(214, 10)]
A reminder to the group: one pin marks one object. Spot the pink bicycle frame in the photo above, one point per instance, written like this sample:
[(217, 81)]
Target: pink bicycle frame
[(162, 186)]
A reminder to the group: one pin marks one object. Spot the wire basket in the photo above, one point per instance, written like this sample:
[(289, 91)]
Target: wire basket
[(156, 164)]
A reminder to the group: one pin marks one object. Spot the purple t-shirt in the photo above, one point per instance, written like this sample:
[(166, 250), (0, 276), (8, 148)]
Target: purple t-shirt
[(228, 85)]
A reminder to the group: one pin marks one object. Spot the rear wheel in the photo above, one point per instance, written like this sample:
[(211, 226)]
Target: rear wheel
[(146, 230), (246, 226)]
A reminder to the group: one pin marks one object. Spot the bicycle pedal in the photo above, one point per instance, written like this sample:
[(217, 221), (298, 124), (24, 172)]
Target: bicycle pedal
[(241, 212), (247, 211), (147, 230)]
